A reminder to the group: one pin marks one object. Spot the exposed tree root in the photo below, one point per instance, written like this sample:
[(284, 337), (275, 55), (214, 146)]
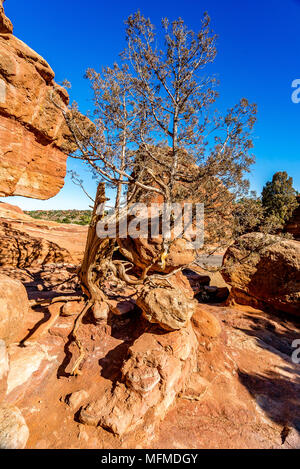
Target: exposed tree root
[(75, 370), (56, 299)]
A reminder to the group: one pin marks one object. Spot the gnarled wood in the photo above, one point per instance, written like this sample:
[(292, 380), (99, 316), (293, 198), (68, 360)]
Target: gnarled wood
[(98, 254)]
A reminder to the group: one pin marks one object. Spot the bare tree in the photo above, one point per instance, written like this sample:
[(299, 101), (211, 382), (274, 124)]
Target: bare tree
[(109, 150), (158, 133), (76, 179)]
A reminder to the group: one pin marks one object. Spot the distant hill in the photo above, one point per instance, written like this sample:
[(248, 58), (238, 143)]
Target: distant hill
[(76, 217)]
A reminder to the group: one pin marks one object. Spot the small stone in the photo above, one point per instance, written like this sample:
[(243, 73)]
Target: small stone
[(100, 312), (196, 386), (14, 432), (76, 399), (82, 435), (71, 308), (206, 324), (143, 379)]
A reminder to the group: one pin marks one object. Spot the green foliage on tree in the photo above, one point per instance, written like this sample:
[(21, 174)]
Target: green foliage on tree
[(279, 197), (248, 215)]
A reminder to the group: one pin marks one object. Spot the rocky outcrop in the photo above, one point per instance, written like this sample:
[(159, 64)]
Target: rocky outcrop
[(34, 138), (5, 23), (26, 242), (155, 372), (265, 272), (14, 307), (244, 394), (18, 249), (230, 396), (293, 225), (9, 209)]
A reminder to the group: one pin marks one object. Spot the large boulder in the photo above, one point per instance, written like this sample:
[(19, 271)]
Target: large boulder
[(264, 271), (14, 307), (34, 137), (171, 309)]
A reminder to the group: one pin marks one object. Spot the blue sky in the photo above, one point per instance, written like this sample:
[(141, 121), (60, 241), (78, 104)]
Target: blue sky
[(258, 58)]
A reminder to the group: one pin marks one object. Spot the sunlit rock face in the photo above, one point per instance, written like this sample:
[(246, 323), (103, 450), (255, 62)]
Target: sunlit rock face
[(34, 138), (14, 307), (264, 277), (26, 242)]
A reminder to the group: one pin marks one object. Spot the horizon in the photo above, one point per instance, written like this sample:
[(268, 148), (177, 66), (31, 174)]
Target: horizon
[(262, 68)]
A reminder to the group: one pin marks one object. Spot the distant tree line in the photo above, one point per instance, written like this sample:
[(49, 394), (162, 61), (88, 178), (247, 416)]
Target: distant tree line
[(269, 212), (76, 217)]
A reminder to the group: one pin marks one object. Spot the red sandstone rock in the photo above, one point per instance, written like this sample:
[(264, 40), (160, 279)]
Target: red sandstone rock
[(206, 324), (18, 249), (29, 366), (180, 281), (197, 282), (14, 307), (119, 308), (10, 208), (4, 368), (71, 308), (233, 400), (34, 138), (76, 399), (100, 312), (156, 371), (14, 432), (25, 241), (5, 23), (268, 278), (168, 307)]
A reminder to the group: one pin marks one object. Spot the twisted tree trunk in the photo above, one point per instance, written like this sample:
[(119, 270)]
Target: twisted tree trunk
[(97, 256)]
